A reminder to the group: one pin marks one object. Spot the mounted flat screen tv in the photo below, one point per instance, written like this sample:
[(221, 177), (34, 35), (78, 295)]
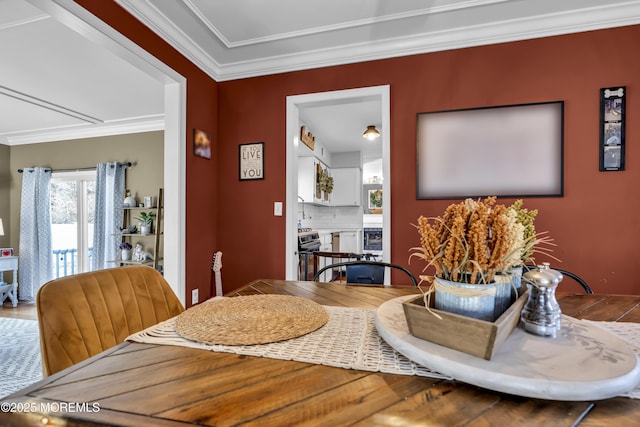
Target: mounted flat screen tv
[(506, 151)]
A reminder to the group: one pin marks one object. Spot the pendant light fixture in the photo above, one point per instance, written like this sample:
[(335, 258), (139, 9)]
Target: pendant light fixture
[(371, 133)]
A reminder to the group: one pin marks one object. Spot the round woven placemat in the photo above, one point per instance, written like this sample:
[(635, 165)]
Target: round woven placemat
[(252, 319)]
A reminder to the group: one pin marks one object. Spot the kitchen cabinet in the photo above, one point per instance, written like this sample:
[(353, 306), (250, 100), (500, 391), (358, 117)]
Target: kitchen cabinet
[(308, 174), (351, 241), (326, 243), (347, 187)]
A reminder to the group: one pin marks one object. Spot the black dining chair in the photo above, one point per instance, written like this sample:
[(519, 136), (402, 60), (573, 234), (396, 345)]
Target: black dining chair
[(365, 272), (571, 275)]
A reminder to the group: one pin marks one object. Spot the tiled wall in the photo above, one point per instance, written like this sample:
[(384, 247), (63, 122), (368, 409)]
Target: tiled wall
[(330, 217)]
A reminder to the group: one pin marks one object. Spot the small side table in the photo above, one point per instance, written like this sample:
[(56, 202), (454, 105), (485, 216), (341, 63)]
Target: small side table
[(10, 290)]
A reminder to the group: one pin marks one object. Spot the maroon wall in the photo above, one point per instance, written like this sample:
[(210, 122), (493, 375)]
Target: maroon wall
[(594, 225), (201, 176)]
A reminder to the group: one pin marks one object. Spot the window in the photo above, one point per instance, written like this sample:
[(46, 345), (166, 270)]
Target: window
[(72, 214)]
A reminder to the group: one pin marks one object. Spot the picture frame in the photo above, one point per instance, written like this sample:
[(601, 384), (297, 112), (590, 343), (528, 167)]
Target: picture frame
[(251, 161), (612, 128), (201, 144), (505, 151), (374, 199), (6, 252)]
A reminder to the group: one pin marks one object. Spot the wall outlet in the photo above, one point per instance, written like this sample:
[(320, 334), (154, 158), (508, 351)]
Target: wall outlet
[(194, 296)]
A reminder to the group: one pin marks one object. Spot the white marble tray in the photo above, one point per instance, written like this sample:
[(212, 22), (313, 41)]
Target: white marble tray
[(584, 362)]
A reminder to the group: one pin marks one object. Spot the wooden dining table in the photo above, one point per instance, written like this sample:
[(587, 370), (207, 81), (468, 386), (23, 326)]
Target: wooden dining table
[(135, 384)]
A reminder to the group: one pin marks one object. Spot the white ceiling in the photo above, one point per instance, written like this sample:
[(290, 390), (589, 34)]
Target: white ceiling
[(55, 84), (339, 126)]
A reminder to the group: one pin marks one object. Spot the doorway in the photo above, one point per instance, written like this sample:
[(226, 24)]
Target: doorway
[(80, 20), (294, 105)]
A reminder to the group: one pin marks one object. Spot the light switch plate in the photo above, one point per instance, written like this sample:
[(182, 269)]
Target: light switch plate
[(277, 208), (194, 296)]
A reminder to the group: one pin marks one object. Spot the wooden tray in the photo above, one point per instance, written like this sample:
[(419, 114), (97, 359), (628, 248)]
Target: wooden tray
[(476, 337)]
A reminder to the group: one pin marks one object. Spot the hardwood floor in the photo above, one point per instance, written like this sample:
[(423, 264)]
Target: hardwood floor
[(24, 310)]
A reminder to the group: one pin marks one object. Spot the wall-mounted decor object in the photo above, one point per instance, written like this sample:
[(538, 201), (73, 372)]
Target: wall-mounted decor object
[(201, 144), (307, 138), (612, 128), (506, 151), (375, 201), (252, 161), (371, 194)]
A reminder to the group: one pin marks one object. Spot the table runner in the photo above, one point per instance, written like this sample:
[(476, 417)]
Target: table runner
[(349, 340)]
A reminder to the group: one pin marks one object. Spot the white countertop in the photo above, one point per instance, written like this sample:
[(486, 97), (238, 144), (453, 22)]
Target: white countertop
[(336, 230)]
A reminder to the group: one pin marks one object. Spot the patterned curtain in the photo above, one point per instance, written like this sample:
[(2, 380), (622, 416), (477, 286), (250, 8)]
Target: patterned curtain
[(36, 264), (108, 214)]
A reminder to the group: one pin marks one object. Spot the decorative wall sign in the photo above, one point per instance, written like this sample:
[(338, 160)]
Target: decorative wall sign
[(252, 161), (612, 128), (307, 138), (201, 144)]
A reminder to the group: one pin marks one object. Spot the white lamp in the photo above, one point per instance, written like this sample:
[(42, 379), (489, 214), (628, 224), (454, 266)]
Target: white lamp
[(371, 133), (1, 229)]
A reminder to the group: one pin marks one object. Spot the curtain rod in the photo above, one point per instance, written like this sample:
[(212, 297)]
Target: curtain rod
[(127, 164)]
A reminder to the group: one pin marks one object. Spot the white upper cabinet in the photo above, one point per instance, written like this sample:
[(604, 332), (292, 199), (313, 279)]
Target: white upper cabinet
[(347, 186), (308, 174)]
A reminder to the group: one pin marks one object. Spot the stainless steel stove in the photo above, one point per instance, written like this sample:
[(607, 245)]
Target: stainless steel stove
[(308, 243), (308, 240)]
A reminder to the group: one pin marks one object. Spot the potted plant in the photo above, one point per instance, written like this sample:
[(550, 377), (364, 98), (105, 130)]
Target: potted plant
[(467, 247), (146, 221), (125, 251)]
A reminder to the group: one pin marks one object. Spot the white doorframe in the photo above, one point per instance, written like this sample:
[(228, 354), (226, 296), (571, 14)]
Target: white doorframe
[(175, 95), (293, 131)]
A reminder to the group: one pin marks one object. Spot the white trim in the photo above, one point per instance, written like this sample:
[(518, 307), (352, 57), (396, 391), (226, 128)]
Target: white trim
[(573, 21), (48, 105), (175, 199), (430, 10), (149, 15), (459, 38), (292, 131), (123, 127), (79, 19)]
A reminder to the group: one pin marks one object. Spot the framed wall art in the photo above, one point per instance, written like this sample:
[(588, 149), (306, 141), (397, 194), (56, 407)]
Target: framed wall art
[(505, 151), (612, 128), (252, 161), (201, 144), (374, 200)]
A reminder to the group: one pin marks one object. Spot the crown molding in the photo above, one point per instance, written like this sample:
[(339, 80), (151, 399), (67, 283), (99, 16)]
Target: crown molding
[(146, 124), (429, 10), (575, 21), (155, 20)]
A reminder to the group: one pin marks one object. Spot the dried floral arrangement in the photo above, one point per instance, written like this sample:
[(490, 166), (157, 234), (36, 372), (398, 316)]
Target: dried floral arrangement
[(476, 239)]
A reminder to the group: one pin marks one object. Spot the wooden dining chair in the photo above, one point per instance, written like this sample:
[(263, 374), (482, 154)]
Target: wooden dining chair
[(365, 272), (82, 315)]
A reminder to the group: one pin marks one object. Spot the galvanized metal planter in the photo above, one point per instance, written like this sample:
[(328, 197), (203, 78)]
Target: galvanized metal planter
[(476, 301)]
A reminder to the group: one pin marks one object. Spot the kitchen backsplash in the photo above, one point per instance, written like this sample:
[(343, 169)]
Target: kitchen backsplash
[(330, 217)]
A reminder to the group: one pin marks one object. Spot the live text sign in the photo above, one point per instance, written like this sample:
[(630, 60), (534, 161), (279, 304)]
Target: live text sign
[(252, 161)]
